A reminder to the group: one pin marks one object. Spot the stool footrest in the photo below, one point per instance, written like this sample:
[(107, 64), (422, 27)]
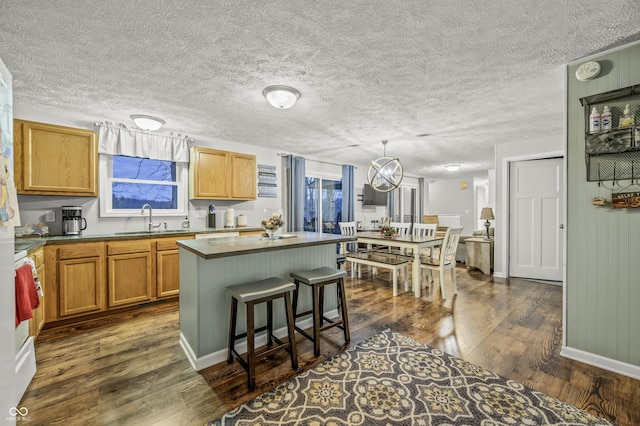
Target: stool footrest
[(301, 314)]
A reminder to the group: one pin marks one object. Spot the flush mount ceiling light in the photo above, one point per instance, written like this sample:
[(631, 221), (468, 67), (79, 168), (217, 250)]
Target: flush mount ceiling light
[(385, 173), (452, 167), (147, 122), (281, 97)]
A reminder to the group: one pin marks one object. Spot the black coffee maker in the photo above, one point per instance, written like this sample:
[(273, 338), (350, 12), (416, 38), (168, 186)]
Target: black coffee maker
[(72, 221)]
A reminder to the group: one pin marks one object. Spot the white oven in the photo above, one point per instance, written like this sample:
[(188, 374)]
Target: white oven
[(25, 366)]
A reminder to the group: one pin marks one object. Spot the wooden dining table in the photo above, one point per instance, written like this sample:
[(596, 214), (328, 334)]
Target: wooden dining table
[(412, 242)]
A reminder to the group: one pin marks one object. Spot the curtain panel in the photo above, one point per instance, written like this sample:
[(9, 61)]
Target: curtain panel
[(295, 195), (348, 196), (118, 139)]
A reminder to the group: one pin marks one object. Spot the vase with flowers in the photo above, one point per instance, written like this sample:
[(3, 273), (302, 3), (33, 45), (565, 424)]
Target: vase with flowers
[(386, 229), (271, 222)]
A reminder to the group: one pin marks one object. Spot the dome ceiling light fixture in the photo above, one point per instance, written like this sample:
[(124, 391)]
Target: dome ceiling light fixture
[(452, 167), (281, 97), (147, 122), (385, 173)]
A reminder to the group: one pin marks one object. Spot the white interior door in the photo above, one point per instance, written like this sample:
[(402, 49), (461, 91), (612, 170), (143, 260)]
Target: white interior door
[(535, 215)]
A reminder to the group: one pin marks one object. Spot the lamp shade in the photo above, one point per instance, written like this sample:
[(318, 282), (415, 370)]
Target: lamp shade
[(147, 122), (282, 97), (487, 214)]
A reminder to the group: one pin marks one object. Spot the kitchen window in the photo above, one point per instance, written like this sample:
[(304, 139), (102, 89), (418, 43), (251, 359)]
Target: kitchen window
[(126, 183)]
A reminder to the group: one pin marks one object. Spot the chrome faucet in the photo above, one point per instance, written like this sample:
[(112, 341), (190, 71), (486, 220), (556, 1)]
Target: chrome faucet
[(152, 225)]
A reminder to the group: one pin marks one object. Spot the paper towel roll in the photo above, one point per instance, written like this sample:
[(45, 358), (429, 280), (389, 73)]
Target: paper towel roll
[(242, 220), (230, 218)]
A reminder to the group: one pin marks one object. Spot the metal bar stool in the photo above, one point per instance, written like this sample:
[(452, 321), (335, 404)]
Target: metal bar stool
[(251, 294), (317, 279)]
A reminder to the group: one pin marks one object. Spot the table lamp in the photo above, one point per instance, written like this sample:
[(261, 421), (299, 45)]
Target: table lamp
[(487, 214)]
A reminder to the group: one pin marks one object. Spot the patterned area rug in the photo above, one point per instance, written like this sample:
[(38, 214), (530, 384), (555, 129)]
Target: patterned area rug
[(391, 379)]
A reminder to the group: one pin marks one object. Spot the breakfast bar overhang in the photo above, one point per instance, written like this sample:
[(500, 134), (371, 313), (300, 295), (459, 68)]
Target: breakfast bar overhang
[(209, 266)]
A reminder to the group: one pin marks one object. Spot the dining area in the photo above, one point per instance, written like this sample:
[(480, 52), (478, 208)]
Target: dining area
[(403, 247)]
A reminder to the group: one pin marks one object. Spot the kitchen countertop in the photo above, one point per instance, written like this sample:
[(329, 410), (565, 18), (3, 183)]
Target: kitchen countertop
[(224, 247), (31, 243)]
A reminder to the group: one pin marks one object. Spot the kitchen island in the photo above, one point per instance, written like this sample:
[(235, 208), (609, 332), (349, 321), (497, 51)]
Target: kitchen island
[(209, 266)]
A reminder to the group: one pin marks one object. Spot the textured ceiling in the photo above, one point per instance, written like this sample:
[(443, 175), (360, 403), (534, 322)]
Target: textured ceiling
[(468, 74)]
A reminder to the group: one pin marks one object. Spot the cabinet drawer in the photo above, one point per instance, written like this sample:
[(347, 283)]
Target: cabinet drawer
[(79, 250), (133, 246), (170, 243)]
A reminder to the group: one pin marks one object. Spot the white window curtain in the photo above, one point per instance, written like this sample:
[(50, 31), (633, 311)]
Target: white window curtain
[(118, 139)]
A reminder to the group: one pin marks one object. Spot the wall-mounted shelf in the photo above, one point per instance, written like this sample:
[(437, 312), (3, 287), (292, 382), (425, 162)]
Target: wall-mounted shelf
[(613, 154)]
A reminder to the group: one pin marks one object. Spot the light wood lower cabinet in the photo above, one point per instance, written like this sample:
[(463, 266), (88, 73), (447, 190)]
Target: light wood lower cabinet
[(129, 272), (167, 273), (37, 322), (78, 280), (167, 267), (89, 278)]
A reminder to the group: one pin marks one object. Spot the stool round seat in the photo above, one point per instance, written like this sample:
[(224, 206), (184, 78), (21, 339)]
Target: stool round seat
[(259, 289), (318, 275)]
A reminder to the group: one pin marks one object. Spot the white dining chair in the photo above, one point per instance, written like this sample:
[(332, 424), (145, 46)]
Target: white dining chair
[(424, 230), (348, 228), (445, 261), (401, 229)]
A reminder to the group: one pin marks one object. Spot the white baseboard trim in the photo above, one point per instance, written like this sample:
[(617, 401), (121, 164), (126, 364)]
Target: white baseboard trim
[(499, 275), (200, 363), (609, 364)]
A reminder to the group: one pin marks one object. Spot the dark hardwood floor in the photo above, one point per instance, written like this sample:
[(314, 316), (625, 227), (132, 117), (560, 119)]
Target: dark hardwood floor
[(130, 369)]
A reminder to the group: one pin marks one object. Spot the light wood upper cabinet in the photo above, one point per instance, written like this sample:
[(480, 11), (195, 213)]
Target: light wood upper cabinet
[(221, 175), (55, 160), (243, 176)]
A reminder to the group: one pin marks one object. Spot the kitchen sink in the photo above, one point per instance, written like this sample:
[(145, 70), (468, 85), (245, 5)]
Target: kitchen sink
[(161, 231)]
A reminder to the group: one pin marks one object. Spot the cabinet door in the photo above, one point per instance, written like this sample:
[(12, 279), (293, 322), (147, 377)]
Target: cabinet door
[(37, 322), (55, 160), (38, 317), (243, 181), (79, 286), (129, 279), (209, 176), (168, 274), (167, 266)]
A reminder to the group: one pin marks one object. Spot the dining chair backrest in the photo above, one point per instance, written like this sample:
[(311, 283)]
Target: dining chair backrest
[(401, 228), (347, 228), (425, 229), (450, 245)]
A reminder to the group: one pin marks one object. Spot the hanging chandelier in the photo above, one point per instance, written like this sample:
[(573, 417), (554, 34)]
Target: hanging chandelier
[(385, 173)]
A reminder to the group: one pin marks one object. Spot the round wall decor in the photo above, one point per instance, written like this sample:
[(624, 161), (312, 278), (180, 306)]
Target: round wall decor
[(588, 71)]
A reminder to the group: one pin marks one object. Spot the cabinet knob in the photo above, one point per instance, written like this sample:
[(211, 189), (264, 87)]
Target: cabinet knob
[(561, 226)]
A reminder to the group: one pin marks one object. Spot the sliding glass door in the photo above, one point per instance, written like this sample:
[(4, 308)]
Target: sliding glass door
[(322, 205)]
